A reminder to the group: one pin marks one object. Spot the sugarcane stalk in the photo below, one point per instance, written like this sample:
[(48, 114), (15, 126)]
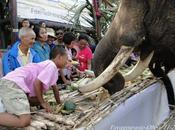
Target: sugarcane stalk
[(68, 96), (50, 125), (88, 110), (30, 128), (58, 109), (78, 99), (58, 127), (57, 118), (83, 119), (74, 93), (38, 125), (99, 92)]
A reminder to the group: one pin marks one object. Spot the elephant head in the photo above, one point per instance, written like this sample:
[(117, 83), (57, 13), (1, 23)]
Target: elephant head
[(147, 26)]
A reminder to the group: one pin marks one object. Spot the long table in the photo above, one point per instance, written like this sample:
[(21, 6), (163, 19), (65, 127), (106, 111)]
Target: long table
[(145, 110)]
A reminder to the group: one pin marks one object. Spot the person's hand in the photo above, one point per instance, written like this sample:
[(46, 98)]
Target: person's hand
[(82, 74), (67, 82), (89, 74), (69, 64), (47, 107)]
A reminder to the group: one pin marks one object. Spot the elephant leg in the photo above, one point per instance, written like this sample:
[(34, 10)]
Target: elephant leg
[(115, 84)]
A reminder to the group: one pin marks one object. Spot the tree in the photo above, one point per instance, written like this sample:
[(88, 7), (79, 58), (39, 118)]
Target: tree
[(98, 20), (108, 9)]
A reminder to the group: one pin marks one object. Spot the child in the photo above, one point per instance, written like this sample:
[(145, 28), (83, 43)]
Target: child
[(26, 85)]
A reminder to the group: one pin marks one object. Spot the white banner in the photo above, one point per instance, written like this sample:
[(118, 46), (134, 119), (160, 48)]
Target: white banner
[(53, 10)]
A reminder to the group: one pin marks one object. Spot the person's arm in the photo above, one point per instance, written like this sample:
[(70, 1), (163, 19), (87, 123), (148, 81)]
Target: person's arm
[(56, 94), (38, 88), (7, 63), (36, 58), (10, 120), (63, 77)]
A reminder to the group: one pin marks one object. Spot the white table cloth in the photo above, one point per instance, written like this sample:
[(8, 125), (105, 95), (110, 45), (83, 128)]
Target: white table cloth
[(145, 110)]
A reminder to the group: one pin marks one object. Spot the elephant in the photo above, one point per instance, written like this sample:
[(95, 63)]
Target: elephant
[(145, 26)]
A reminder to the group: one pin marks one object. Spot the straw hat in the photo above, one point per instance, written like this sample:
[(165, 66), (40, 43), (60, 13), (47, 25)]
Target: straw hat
[(51, 32)]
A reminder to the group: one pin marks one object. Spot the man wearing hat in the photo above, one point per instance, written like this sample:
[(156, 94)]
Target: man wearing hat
[(51, 37)]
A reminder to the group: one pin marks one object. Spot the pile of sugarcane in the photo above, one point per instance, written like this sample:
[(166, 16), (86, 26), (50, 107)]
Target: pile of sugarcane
[(90, 107)]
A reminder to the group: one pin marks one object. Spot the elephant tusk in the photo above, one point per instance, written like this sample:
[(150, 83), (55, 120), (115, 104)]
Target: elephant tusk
[(138, 68), (109, 72)]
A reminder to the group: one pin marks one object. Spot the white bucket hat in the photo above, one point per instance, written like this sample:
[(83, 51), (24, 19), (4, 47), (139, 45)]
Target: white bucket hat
[(51, 32)]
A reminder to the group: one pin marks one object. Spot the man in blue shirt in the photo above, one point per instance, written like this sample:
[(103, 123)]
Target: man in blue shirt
[(21, 52)]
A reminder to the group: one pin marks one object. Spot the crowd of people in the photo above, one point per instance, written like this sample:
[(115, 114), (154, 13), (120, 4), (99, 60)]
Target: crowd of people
[(39, 60)]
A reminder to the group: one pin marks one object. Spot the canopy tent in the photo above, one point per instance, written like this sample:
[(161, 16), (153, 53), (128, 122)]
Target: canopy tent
[(61, 11)]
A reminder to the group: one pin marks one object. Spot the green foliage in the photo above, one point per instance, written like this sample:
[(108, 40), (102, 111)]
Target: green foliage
[(107, 14), (72, 87), (106, 18)]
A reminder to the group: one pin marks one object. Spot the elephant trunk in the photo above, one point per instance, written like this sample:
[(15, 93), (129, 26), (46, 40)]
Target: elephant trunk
[(109, 72)]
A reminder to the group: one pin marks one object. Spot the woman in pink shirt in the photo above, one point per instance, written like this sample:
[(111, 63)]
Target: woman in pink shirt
[(85, 54), (26, 85)]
